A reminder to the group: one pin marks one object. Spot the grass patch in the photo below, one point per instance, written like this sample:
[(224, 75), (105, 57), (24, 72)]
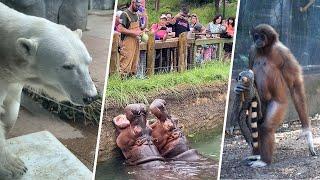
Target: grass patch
[(122, 92)]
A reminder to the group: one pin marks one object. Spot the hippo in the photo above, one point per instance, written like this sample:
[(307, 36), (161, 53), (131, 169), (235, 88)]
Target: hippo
[(134, 137), (168, 137)]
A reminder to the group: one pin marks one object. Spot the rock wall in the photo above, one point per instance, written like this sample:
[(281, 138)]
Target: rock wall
[(102, 4), (71, 13)]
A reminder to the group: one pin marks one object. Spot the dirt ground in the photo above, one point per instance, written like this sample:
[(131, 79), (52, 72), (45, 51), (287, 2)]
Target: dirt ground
[(198, 111), (78, 138), (292, 159)]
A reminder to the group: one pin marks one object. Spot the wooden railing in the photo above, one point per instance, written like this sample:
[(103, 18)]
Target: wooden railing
[(181, 52)]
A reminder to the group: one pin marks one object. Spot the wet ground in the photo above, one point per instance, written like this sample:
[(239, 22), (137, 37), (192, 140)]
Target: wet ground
[(207, 168), (291, 158), (77, 137)]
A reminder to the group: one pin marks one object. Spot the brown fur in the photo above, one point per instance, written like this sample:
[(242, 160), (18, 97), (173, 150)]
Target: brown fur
[(276, 70)]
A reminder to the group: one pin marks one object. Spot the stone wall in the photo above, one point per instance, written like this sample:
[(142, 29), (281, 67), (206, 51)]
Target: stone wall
[(71, 13)]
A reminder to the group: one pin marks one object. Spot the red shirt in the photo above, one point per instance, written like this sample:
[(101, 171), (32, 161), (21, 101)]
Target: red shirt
[(230, 30)]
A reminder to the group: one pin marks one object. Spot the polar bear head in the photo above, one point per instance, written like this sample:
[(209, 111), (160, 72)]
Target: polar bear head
[(58, 63)]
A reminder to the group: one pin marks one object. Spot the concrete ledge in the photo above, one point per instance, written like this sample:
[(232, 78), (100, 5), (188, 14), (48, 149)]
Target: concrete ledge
[(47, 158)]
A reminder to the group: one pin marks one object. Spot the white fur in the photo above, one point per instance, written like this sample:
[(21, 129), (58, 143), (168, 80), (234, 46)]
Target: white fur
[(273, 106), (308, 134), (255, 134), (254, 114), (254, 125), (254, 104), (36, 52), (258, 164)]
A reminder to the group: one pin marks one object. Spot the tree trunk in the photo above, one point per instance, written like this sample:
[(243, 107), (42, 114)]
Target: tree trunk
[(157, 5), (216, 6)]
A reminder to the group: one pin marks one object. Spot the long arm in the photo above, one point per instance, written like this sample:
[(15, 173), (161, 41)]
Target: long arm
[(292, 74), (298, 96)]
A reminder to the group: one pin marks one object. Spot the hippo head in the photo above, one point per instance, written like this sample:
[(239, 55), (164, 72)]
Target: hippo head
[(141, 150), (136, 114), (169, 138), (158, 108)]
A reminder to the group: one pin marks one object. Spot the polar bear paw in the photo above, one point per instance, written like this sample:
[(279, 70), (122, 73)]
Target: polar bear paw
[(11, 167)]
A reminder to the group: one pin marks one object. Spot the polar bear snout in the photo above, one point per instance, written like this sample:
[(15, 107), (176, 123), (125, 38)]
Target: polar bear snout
[(89, 99)]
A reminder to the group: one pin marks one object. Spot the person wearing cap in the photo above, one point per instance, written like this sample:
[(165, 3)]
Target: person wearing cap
[(159, 29), (130, 31), (181, 21)]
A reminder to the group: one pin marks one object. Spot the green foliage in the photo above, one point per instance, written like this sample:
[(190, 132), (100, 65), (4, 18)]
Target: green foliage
[(122, 92), (231, 9)]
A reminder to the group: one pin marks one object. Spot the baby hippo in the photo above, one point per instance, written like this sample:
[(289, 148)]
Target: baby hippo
[(168, 137), (134, 137)]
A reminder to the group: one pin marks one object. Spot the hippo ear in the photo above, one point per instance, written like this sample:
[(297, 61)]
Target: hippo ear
[(78, 32), (27, 48)]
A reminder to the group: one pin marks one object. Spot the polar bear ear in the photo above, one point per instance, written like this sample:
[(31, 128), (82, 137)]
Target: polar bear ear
[(78, 32), (27, 48)]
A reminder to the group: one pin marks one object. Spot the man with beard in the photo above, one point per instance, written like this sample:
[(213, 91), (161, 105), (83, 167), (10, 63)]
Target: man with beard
[(181, 21), (130, 31)]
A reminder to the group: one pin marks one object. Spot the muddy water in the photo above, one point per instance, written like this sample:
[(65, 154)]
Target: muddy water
[(206, 168)]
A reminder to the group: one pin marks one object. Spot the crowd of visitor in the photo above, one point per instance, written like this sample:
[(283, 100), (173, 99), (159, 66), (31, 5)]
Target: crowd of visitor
[(133, 23)]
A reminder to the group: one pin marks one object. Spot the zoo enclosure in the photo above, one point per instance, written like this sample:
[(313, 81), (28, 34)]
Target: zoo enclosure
[(175, 54), (298, 30)]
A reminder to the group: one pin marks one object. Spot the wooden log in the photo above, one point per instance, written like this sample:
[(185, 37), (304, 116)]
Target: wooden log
[(182, 49), (191, 55), (150, 54), (168, 60), (115, 56), (212, 41), (175, 58), (195, 47), (165, 44), (221, 51)]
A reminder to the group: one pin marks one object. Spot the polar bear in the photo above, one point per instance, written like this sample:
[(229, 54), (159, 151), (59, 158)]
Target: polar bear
[(45, 56)]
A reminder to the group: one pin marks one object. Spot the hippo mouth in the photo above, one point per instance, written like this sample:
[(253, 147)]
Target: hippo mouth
[(143, 154), (145, 160), (175, 147)]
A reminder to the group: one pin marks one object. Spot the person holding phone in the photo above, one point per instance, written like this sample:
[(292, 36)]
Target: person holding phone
[(182, 21), (160, 28)]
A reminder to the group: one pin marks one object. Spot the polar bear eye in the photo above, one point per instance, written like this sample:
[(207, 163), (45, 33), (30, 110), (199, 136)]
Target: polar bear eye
[(68, 67)]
